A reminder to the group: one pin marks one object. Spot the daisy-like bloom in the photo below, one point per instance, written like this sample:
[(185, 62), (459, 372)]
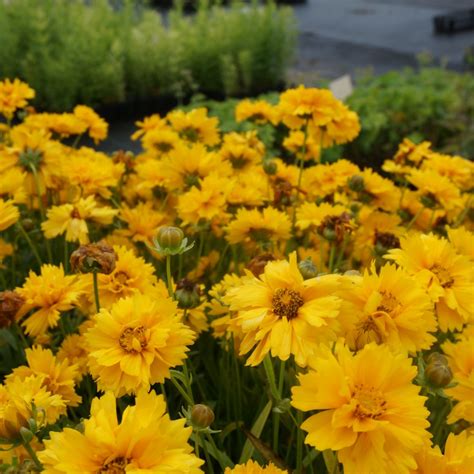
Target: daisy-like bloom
[(461, 361), (195, 318), (371, 412), (463, 241), (435, 190), (161, 141), (9, 214), (295, 142), (14, 95), (136, 342), (97, 127), (408, 155), (48, 294), (195, 126), (447, 276), (259, 227), (257, 111), (131, 275), (282, 314), (6, 250), (379, 192), (143, 222), (458, 456), (238, 152), (302, 105), (206, 202), (58, 377), (313, 215), (252, 467), (145, 440), (250, 189), (73, 350), (63, 125), (12, 185), (71, 219), (148, 124), (457, 169), (387, 308), (17, 397)]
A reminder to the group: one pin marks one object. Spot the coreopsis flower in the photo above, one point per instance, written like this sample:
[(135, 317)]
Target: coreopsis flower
[(58, 377), (18, 396), (71, 219), (463, 241), (205, 202), (371, 412), (9, 214), (142, 222), (63, 125), (313, 215), (281, 313), (461, 361), (12, 185), (130, 275), (242, 151), (303, 148), (148, 124), (408, 156), (457, 169), (343, 127), (264, 227), (73, 350), (96, 126), (136, 342), (301, 106), (98, 257), (159, 142), (252, 467), (257, 111), (447, 276), (14, 95), (390, 308), (435, 190), (195, 126), (145, 440), (48, 294)]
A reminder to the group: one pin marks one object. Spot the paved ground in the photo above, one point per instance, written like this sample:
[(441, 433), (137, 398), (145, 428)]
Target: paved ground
[(346, 36)]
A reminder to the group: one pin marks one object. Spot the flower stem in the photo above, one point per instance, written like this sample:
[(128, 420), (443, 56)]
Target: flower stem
[(299, 443), (96, 291), (268, 366), (332, 253), (32, 455), (168, 276), (415, 217), (30, 243)]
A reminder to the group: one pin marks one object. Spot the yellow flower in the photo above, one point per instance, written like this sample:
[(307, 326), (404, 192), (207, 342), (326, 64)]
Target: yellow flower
[(435, 189), (6, 249), (379, 192), (71, 219), (14, 95), (295, 143), (58, 377), (313, 215), (48, 294), (161, 141), (461, 361), (258, 111), (412, 154), (387, 308), (251, 467), (371, 413), (153, 122), (96, 125), (136, 342), (64, 125), (9, 214), (12, 184), (206, 202), (195, 126), (145, 440), (240, 153), (73, 349), (281, 313), (17, 397), (458, 170), (259, 227), (447, 276), (463, 241)]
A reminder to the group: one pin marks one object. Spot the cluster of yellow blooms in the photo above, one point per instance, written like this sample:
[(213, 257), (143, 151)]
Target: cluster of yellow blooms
[(357, 286)]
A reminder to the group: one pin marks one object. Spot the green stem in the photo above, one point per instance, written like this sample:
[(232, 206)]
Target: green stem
[(332, 253), (299, 443), (66, 256), (268, 366), (188, 381), (96, 291), (30, 243), (33, 456), (182, 391), (276, 416), (341, 253), (216, 451), (168, 276), (415, 217)]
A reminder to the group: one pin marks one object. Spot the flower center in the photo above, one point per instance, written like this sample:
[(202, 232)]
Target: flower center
[(370, 403), (133, 340), (75, 214), (388, 304), (190, 133), (444, 277), (367, 331), (286, 303), (116, 466)]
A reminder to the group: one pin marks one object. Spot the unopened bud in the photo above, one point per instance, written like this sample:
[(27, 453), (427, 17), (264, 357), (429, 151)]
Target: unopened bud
[(437, 372), (170, 237), (307, 268), (329, 234), (356, 183), (270, 167), (10, 303), (99, 257), (428, 201), (28, 224), (26, 435), (202, 416), (187, 294)]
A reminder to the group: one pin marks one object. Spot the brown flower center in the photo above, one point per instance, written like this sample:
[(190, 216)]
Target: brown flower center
[(444, 277), (190, 133), (388, 304), (286, 303), (116, 466), (367, 331), (133, 340), (75, 214), (370, 403)]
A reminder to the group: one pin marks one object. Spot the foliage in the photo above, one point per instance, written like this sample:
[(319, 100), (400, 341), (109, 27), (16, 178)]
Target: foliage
[(97, 53)]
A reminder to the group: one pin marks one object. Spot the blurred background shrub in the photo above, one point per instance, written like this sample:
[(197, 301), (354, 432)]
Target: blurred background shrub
[(102, 52)]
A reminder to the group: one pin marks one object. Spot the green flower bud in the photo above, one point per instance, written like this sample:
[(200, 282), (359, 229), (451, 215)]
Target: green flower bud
[(170, 240), (356, 183), (270, 167), (428, 201), (187, 294), (437, 372), (329, 234), (26, 435), (201, 416), (307, 268)]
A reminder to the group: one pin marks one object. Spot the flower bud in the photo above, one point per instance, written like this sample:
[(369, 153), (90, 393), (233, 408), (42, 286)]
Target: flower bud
[(270, 167), (428, 200), (26, 435), (437, 372), (170, 237), (10, 303), (99, 257), (257, 264), (329, 234), (356, 183), (187, 294), (307, 268), (437, 358), (202, 416), (28, 224)]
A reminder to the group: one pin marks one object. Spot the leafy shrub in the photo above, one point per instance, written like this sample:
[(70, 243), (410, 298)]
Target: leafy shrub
[(99, 53)]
